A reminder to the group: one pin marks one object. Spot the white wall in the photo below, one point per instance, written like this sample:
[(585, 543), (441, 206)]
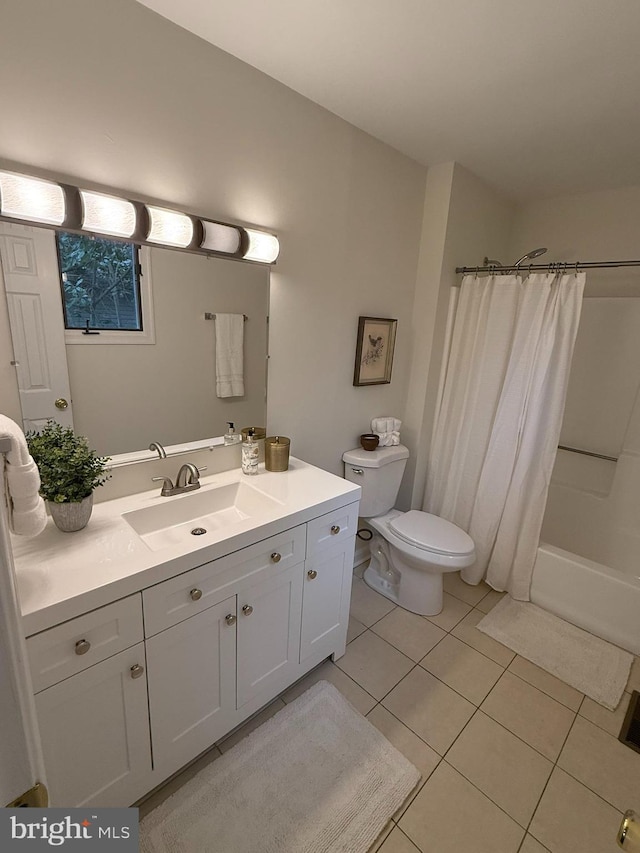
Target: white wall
[(112, 93), (464, 220), (592, 506)]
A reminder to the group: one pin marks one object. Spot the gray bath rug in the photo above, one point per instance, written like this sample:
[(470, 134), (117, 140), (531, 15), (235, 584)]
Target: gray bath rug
[(591, 665), (315, 778)]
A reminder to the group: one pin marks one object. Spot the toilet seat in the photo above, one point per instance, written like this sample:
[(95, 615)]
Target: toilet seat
[(431, 533)]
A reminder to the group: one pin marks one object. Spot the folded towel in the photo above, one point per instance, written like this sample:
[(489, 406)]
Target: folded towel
[(21, 480), (387, 429), (229, 355)]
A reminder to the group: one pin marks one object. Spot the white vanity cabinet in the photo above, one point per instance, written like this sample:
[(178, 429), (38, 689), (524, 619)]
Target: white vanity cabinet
[(129, 693), (94, 723), (327, 584), (211, 670)]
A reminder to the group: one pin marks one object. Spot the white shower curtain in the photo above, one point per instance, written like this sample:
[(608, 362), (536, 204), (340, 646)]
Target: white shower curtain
[(499, 418)]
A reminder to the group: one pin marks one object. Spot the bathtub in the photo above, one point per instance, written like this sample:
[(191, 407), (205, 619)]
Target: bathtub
[(593, 596)]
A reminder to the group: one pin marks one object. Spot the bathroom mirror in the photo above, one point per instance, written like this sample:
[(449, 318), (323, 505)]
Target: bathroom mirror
[(124, 396)]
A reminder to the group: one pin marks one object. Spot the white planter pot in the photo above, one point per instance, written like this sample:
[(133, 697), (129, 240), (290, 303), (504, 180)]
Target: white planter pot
[(73, 515)]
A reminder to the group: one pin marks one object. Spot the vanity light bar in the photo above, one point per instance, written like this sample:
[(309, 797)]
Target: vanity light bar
[(30, 199), (107, 214), (220, 238), (262, 246), (22, 197), (169, 227)]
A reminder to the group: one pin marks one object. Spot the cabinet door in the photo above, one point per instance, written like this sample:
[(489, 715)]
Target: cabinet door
[(325, 602), (192, 685), (95, 733), (269, 636)]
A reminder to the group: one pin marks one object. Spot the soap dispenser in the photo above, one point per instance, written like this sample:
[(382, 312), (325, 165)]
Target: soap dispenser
[(231, 436), (250, 454)]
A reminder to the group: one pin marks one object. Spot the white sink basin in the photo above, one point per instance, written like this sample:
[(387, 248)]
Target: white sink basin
[(172, 520)]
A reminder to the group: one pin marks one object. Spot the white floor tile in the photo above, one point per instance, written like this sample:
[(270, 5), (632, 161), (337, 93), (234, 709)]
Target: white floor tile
[(572, 819), (606, 766), (531, 715), (503, 767), (374, 664), (413, 635), (435, 712), (450, 815), (464, 669)]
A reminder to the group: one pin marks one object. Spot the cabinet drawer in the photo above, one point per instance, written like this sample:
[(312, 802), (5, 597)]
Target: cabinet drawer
[(185, 595), (336, 526), (75, 645)]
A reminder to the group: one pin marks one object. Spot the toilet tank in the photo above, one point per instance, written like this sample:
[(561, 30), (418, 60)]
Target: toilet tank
[(379, 474)]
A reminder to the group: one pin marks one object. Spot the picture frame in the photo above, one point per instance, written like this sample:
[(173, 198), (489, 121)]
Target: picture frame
[(374, 351)]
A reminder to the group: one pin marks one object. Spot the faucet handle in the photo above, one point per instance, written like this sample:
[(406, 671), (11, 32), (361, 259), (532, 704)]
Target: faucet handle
[(167, 485)]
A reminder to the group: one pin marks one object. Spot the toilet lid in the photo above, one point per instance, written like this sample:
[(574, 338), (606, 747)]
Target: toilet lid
[(432, 533)]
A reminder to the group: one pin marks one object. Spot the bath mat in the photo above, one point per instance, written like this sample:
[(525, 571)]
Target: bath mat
[(591, 665), (315, 778)]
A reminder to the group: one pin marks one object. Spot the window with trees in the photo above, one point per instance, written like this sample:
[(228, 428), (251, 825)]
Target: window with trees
[(100, 283)]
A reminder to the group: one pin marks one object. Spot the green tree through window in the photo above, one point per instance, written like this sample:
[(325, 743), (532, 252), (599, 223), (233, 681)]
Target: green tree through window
[(100, 283)]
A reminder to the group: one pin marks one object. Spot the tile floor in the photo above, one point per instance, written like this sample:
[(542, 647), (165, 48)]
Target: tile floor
[(512, 759)]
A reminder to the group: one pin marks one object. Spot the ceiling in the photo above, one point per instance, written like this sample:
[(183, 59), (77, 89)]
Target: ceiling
[(539, 98)]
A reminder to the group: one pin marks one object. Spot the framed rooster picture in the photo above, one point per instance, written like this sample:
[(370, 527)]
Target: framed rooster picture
[(374, 351)]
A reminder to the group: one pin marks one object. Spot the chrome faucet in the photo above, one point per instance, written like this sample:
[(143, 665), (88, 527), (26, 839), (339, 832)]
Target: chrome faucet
[(188, 477), (155, 445), (187, 480)]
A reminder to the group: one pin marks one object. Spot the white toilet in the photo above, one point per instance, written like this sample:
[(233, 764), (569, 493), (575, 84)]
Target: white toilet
[(410, 551)]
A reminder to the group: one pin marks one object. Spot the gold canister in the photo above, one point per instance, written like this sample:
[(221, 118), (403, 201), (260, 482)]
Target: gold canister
[(258, 432), (276, 453)]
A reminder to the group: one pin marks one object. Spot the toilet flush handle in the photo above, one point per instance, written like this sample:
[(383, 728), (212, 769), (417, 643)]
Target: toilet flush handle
[(357, 470)]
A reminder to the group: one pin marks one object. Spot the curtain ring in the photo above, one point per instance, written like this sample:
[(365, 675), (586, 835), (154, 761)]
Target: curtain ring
[(577, 268)]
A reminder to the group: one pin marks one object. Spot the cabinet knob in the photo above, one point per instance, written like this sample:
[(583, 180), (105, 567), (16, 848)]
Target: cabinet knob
[(312, 574), (196, 594), (230, 619), (247, 610), (82, 647), (136, 670), (275, 557), (335, 529)]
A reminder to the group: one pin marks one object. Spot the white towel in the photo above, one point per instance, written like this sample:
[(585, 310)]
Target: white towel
[(229, 355), (387, 429), (25, 508)]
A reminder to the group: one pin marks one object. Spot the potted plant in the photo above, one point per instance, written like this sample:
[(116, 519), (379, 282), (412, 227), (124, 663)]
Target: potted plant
[(69, 472)]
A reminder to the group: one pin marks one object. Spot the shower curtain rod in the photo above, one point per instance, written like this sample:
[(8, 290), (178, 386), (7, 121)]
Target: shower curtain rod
[(553, 266)]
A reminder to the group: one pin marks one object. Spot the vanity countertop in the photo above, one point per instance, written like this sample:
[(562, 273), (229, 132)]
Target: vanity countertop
[(62, 575)]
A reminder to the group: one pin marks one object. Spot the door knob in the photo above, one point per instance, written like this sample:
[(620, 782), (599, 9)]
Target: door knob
[(196, 594), (312, 574), (230, 619), (61, 403), (136, 670), (629, 832), (247, 610), (335, 529), (275, 557)]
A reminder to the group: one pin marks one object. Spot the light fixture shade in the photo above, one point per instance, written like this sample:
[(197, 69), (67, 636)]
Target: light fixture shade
[(107, 214), (169, 227), (32, 199), (262, 246), (220, 238)]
